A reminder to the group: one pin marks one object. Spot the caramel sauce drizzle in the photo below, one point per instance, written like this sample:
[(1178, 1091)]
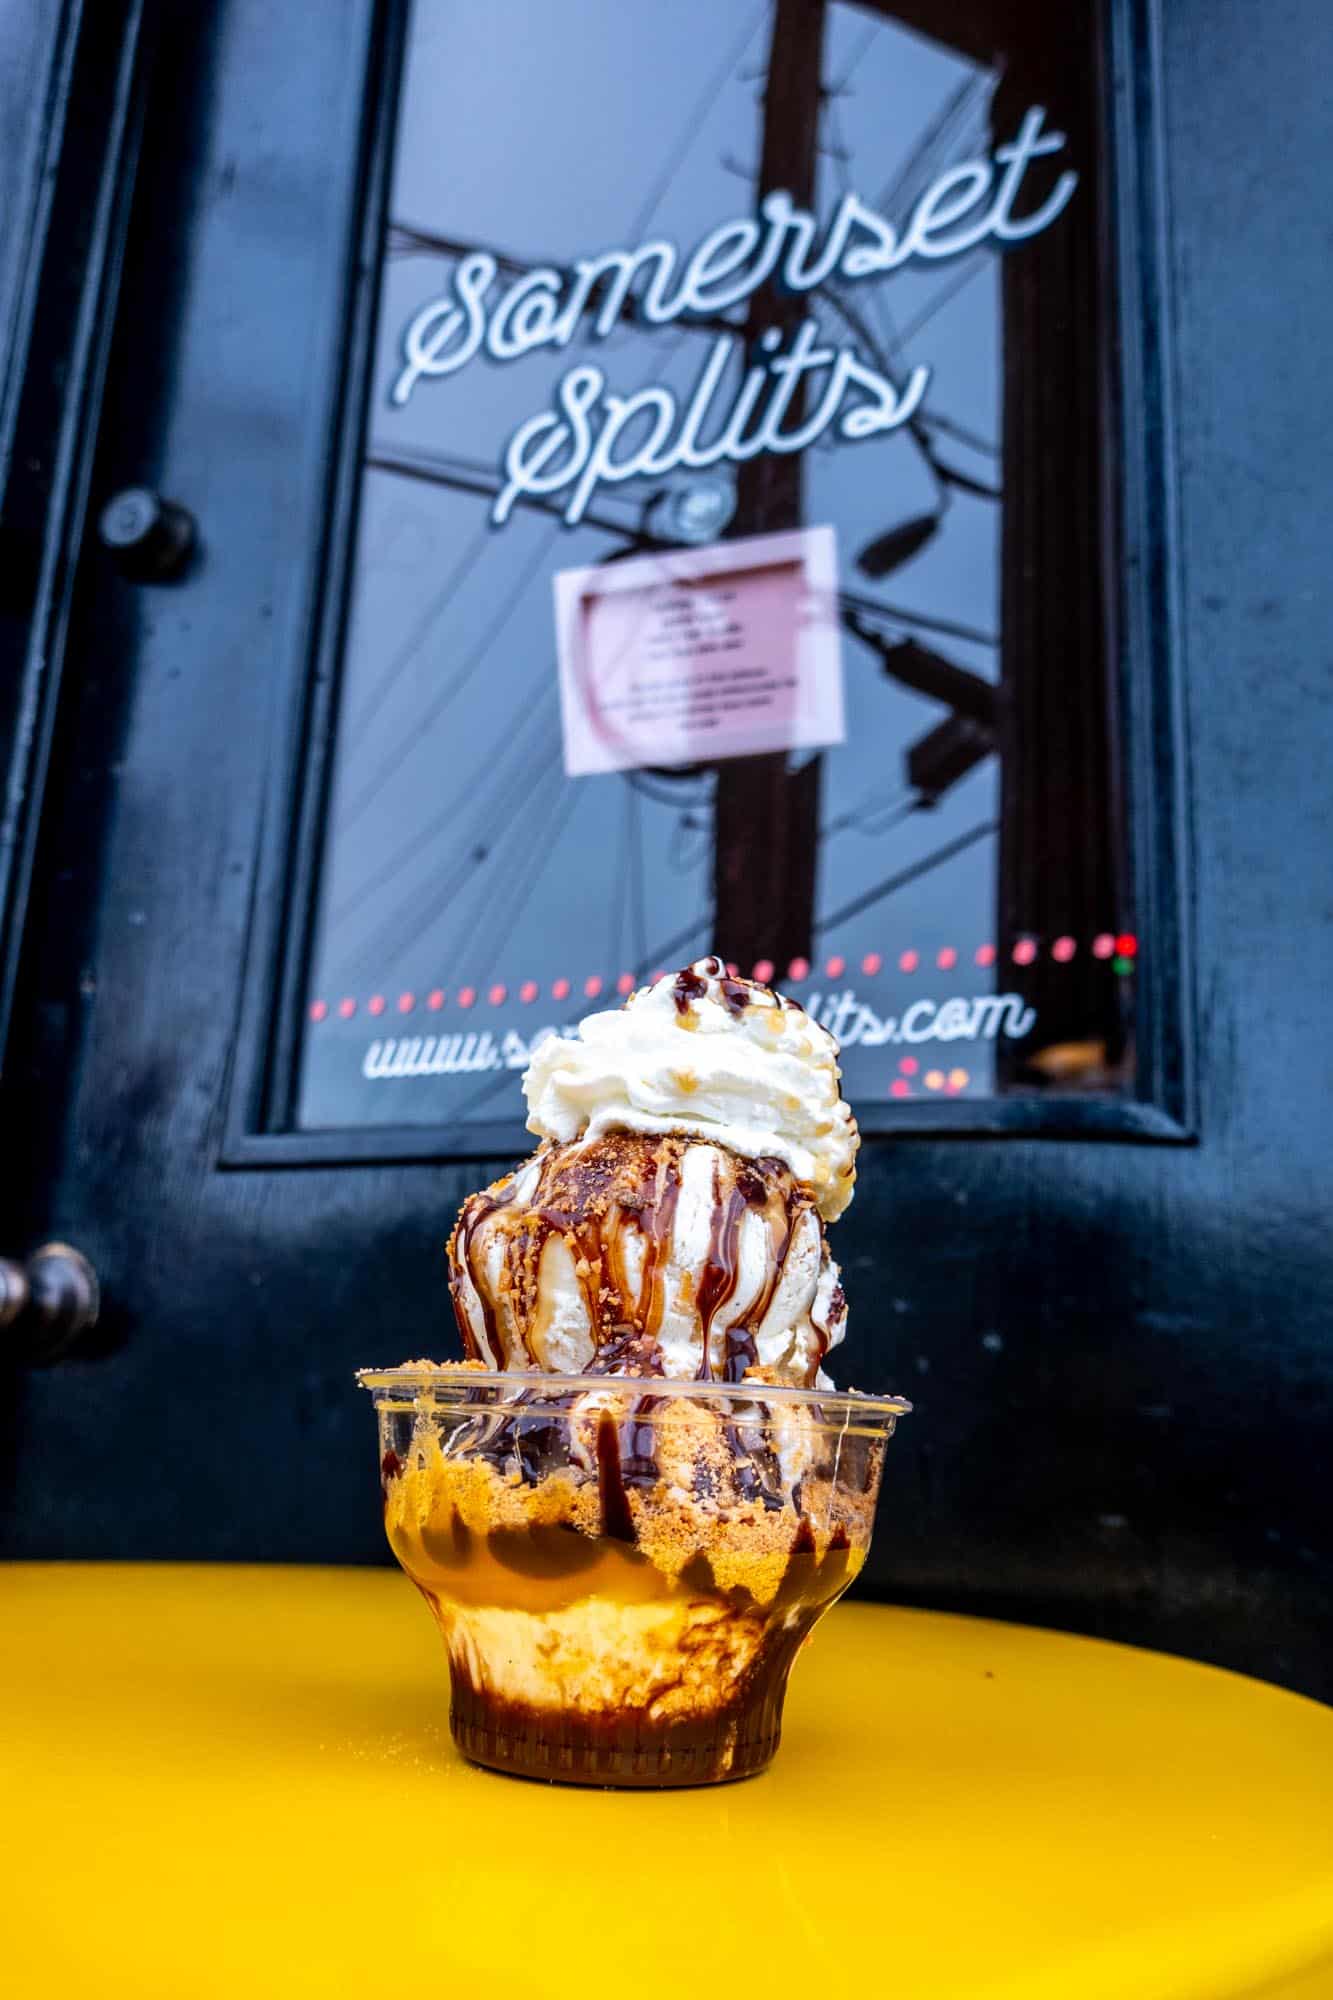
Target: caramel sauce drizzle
[(476, 1210), (592, 1198)]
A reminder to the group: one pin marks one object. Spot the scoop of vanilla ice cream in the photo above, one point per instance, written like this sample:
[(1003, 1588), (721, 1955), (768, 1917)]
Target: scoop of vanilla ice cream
[(644, 1253), (715, 1057)]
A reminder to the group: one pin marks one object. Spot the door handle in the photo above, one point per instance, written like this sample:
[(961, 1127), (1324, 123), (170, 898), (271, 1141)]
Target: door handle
[(47, 1304)]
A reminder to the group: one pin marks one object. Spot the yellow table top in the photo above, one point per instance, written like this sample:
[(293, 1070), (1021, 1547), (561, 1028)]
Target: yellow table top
[(239, 1782)]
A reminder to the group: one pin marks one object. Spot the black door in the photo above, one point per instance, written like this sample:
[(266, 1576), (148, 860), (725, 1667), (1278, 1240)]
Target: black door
[(301, 854)]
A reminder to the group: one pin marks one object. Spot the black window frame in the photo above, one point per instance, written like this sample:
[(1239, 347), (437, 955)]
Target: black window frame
[(258, 1129)]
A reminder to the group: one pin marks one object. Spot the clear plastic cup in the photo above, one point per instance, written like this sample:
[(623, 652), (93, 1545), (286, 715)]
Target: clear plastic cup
[(624, 1570)]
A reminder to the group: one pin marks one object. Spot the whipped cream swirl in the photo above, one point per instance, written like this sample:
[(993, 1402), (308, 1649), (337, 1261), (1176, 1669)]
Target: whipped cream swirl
[(704, 1054)]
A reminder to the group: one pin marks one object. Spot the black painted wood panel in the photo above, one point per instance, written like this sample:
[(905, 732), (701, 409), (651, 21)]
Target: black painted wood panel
[(1120, 1354)]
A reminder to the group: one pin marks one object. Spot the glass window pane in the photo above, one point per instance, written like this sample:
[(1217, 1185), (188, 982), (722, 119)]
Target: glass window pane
[(746, 590)]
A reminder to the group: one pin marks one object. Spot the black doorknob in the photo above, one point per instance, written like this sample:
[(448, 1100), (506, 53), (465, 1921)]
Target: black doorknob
[(151, 539), (47, 1304)]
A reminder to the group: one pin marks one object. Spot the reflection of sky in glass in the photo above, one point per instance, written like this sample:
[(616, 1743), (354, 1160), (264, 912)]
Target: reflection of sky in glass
[(458, 853)]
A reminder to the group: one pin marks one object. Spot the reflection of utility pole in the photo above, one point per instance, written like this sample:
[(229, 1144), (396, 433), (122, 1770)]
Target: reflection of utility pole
[(1061, 836), (767, 819)]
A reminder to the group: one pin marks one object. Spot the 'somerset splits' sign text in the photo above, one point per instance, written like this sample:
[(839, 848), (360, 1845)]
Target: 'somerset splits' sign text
[(595, 437)]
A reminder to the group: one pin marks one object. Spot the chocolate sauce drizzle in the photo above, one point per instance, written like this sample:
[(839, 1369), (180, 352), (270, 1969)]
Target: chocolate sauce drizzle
[(596, 1198), (721, 1269), (476, 1210), (617, 1520), (690, 985)]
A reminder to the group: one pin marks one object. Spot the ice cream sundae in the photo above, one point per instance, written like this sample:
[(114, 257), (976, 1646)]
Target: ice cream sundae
[(631, 1502)]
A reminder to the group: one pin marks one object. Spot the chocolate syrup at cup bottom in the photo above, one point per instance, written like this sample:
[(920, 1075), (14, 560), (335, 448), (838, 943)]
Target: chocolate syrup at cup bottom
[(628, 1745)]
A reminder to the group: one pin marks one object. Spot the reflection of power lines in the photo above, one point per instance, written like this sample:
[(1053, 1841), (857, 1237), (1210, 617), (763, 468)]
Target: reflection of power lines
[(962, 124), (483, 774), (402, 925), (458, 474), (515, 822), (970, 268), (890, 353), (503, 911), (407, 652), (875, 814), (468, 475), (404, 237), (628, 904), (391, 763), (923, 621), (903, 876), (692, 934), (962, 120)]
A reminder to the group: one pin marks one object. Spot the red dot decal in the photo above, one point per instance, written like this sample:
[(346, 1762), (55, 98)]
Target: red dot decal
[(871, 964), (406, 1002), (435, 999), (625, 983), (946, 958), (985, 954), (498, 995), (799, 969), (1103, 945), (560, 989), (908, 962), (836, 967), (1024, 951), (908, 1065), (900, 1087), (347, 1008), (763, 970), (375, 1004), (528, 992), (653, 977), (466, 995), (318, 1009), (1063, 950), (1127, 944), (733, 970), (592, 985)]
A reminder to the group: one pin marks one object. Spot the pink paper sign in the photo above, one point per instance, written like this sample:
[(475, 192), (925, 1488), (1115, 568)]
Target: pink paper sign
[(699, 654)]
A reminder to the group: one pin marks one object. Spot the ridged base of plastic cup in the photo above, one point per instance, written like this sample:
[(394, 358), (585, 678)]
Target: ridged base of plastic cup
[(625, 1749)]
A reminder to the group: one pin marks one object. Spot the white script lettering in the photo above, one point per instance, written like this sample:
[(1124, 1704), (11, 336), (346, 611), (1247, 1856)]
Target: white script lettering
[(592, 437), (954, 1020)]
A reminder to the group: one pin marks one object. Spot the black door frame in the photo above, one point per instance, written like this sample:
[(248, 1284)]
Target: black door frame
[(72, 178)]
